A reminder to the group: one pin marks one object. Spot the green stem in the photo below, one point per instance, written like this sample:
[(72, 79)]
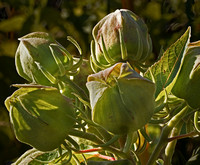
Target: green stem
[(165, 133), (196, 124), (169, 150), (100, 129), (104, 133), (76, 160), (97, 141), (111, 141), (128, 143), (74, 86), (191, 134)]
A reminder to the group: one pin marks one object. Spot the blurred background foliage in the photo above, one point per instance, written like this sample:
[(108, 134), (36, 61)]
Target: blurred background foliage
[(167, 20)]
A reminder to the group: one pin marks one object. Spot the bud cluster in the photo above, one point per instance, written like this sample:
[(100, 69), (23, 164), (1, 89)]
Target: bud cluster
[(119, 102)]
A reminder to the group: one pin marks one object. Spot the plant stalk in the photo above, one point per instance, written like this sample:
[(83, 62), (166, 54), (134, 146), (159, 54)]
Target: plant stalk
[(93, 138), (165, 133), (74, 86), (169, 150)]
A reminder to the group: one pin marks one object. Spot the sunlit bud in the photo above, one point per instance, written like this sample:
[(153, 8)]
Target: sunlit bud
[(120, 36), (121, 100), (40, 117), (41, 60)]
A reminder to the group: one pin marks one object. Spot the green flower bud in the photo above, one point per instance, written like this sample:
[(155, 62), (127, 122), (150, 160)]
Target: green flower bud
[(187, 83), (121, 100), (40, 59), (120, 36), (40, 117)]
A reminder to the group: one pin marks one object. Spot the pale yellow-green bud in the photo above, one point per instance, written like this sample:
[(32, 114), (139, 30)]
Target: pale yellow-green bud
[(41, 60), (41, 118), (120, 36), (121, 100)]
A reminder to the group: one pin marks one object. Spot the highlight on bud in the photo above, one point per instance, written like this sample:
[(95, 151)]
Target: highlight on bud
[(40, 59), (40, 117), (133, 94), (188, 79), (120, 36)]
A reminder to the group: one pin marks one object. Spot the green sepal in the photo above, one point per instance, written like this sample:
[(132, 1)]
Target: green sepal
[(40, 117), (135, 104)]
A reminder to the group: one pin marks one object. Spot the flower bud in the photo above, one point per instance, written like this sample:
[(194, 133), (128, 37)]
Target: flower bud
[(40, 59), (40, 117), (187, 83), (121, 100), (120, 36)]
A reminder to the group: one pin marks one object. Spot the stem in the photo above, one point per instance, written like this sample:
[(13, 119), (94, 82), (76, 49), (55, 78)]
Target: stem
[(85, 135), (196, 124), (76, 160), (122, 141), (111, 141), (88, 150), (100, 129), (105, 157), (127, 147), (165, 133), (169, 150), (128, 144), (96, 140), (193, 133), (104, 133), (74, 86)]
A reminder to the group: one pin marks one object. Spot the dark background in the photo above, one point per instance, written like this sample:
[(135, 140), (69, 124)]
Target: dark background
[(167, 20)]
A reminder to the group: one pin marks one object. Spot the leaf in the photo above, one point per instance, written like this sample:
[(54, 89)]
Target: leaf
[(164, 71), (188, 77), (13, 24), (36, 157), (8, 48), (160, 162), (195, 159)]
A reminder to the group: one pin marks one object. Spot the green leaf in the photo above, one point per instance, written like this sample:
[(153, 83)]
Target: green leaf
[(36, 157), (188, 77), (8, 48), (160, 162), (164, 71), (195, 159), (13, 24)]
